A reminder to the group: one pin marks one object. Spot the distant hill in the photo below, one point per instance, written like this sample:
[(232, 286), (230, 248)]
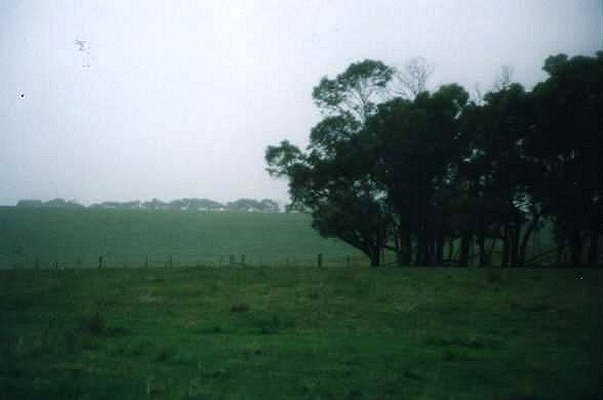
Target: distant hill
[(246, 205)]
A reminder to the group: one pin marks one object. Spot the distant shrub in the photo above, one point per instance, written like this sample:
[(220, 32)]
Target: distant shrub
[(475, 343), (521, 397), (275, 324), (456, 356), (164, 354), (411, 375), (94, 325), (240, 307), (75, 342), (491, 276)]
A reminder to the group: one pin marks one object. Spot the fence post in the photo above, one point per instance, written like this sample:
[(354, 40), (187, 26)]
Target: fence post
[(146, 261), (37, 262), (100, 261), (231, 259), (319, 260), (242, 259)]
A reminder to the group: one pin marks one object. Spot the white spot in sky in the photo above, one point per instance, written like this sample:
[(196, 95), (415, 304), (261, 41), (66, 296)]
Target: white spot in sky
[(84, 47)]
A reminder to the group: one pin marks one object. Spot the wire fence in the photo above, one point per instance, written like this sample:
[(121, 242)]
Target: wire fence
[(63, 255), (54, 258)]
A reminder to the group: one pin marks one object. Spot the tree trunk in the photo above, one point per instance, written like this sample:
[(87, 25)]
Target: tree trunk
[(407, 248), (405, 251), (490, 252), (593, 250), (521, 258), (465, 247), (576, 249), (481, 242), (398, 249), (560, 248), (504, 262), (422, 246), (439, 249), (374, 255), (514, 244)]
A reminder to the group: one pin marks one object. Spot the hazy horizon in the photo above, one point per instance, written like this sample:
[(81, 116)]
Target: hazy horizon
[(117, 102), (165, 201)]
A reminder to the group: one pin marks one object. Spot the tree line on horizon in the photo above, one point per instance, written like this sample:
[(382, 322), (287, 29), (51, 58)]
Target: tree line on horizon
[(431, 175), (246, 205)]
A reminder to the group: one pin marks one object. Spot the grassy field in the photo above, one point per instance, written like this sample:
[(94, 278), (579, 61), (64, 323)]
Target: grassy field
[(300, 333), (133, 238)]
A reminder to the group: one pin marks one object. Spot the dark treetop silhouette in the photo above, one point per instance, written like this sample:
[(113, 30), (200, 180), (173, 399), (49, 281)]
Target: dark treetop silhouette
[(409, 173)]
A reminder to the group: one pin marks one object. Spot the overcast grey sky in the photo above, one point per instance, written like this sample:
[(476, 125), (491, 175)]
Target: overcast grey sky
[(179, 99)]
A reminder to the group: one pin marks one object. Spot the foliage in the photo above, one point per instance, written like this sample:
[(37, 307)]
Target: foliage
[(567, 142), (266, 205), (409, 173), (331, 179)]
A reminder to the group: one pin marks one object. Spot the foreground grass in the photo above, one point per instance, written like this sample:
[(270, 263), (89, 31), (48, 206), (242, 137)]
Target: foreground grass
[(268, 333)]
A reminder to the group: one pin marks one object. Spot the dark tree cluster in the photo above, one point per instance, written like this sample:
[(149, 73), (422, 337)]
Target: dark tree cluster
[(432, 176), (191, 204), (54, 203)]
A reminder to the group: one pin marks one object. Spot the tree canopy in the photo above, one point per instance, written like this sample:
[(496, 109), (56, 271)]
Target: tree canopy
[(411, 170)]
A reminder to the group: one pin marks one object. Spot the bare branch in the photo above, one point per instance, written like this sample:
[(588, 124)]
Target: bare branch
[(503, 78), (413, 79)]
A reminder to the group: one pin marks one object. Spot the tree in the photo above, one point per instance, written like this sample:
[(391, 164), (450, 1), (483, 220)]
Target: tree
[(504, 78), (412, 80), (567, 142), (414, 146), (409, 172), (331, 179), (497, 175), (342, 199), (354, 93)]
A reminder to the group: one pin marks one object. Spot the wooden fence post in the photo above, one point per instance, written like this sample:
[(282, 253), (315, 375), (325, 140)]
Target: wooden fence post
[(319, 260), (242, 259)]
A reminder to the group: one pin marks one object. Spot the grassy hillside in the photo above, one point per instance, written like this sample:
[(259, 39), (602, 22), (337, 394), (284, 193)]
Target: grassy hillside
[(300, 333), (77, 237)]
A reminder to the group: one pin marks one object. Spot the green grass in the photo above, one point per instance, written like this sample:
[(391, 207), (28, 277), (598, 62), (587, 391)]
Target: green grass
[(75, 238), (300, 333)]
